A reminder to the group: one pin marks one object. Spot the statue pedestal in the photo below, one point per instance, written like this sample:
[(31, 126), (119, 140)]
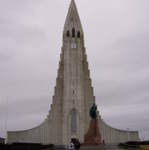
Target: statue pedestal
[(93, 138)]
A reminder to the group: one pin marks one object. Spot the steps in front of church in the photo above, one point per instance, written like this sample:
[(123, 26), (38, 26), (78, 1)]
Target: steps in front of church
[(107, 147), (85, 148), (99, 148), (55, 148)]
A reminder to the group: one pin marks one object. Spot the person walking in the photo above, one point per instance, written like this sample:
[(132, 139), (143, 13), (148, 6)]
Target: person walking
[(71, 145), (77, 144)]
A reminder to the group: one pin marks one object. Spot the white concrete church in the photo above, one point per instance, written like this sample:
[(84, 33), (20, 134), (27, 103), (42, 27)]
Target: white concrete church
[(73, 97)]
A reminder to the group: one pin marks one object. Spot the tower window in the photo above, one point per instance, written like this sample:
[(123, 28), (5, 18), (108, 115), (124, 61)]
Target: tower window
[(68, 34), (78, 34), (73, 32)]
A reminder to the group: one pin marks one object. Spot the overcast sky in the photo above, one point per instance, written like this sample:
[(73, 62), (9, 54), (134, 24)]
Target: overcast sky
[(117, 43)]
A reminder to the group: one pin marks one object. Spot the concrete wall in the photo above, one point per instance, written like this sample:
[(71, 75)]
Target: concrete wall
[(34, 135), (49, 132), (114, 136), (46, 134)]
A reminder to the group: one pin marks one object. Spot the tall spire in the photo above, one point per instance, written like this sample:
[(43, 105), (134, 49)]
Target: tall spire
[(73, 19)]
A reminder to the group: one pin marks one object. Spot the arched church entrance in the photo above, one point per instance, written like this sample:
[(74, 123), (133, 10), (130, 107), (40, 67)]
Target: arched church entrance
[(73, 124)]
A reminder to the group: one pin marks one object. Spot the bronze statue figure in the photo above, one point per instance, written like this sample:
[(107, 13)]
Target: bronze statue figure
[(93, 110)]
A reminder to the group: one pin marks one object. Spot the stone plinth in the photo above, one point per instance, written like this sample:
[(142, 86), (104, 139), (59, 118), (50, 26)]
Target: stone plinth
[(93, 138)]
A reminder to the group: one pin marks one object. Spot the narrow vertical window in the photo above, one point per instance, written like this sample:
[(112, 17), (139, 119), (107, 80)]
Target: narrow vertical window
[(78, 34), (68, 34), (73, 32), (73, 121)]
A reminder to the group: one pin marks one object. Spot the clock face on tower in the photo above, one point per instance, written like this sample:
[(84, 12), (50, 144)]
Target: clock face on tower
[(73, 45)]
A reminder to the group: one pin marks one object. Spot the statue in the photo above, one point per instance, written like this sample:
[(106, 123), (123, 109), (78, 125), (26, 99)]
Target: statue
[(93, 111), (93, 137)]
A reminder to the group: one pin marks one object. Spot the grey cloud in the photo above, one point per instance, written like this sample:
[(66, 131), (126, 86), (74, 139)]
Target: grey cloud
[(5, 57)]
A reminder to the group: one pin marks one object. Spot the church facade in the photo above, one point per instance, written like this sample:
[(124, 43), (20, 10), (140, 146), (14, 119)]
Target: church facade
[(73, 97)]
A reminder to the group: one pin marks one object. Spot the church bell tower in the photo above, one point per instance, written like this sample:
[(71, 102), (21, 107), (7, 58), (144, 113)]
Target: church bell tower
[(77, 90)]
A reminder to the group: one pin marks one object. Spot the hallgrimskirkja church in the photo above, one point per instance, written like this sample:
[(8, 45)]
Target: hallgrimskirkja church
[(73, 97)]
